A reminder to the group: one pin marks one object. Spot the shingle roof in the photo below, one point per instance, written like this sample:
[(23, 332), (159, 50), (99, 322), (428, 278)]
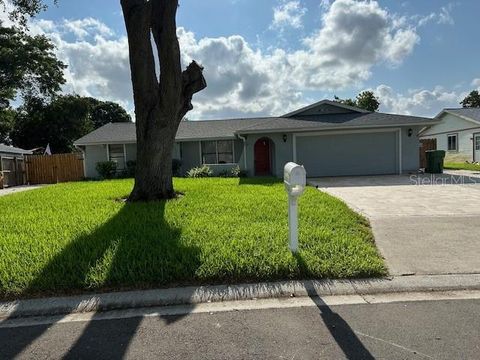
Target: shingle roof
[(472, 113), (217, 129), (209, 129), (337, 121), (12, 150)]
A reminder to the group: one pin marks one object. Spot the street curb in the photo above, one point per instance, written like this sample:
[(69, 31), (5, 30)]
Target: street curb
[(202, 294)]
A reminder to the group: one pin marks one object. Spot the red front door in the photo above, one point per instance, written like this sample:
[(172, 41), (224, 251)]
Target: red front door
[(262, 157)]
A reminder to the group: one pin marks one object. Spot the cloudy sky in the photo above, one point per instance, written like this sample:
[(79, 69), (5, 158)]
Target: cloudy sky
[(271, 56)]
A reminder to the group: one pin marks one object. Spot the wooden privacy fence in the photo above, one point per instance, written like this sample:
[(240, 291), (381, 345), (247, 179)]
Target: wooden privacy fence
[(425, 145), (52, 169)]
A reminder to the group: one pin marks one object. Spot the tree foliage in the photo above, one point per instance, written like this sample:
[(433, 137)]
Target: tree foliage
[(27, 65), (472, 100), (7, 120), (61, 121), (104, 112), (365, 100), (368, 101), (58, 123), (21, 10)]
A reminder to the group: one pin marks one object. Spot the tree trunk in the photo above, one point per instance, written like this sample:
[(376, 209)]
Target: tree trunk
[(160, 104)]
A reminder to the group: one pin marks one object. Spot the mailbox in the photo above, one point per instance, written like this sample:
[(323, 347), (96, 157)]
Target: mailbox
[(295, 179)]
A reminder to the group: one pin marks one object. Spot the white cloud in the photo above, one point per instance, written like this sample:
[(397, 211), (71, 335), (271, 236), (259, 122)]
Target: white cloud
[(443, 16), (243, 81), (421, 102), (87, 27), (476, 83), (288, 14)]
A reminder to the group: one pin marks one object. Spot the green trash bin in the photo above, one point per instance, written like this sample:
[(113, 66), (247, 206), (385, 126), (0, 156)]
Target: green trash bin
[(435, 160)]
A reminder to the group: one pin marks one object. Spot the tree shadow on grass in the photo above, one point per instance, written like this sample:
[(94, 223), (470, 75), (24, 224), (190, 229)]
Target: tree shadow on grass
[(340, 330), (134, 248)]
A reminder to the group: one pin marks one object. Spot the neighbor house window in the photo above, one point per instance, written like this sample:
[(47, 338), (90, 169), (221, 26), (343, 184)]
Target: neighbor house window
[(217, 152), (452, 142), (117, 155), (477, 142)]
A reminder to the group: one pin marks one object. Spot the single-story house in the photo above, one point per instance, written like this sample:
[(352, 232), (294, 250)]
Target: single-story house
[(12, 165), (458, 133), (328, 138)]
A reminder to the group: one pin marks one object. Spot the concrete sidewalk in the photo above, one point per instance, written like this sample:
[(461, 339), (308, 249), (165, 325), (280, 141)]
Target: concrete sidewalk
[(217, 293), (17, 189)]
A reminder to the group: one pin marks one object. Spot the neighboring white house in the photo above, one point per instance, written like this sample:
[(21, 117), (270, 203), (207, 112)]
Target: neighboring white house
[(458, 133)]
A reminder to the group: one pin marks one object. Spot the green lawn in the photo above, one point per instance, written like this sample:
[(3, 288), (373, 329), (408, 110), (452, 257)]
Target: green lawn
[(461, 166), (76, 237)]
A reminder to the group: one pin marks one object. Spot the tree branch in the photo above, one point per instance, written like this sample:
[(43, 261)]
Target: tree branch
[(193, 82)]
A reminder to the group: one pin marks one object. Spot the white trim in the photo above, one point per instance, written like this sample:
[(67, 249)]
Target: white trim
[(448, 111), (294, 146), (451, 134), (200, 152), (125, 156), (344, 130), (108, 151), (358, 131), (223, 164), (400, 158), (216, 152), (328, 102), (244, 139)]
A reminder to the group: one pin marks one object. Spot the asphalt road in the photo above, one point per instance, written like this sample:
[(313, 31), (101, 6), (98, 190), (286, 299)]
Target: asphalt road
[(406, 330)]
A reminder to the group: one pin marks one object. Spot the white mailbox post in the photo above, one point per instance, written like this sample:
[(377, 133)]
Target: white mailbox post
[(295, 179)]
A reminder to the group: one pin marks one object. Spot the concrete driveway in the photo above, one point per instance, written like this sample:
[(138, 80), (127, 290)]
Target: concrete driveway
[(422, 224), (17, 189)]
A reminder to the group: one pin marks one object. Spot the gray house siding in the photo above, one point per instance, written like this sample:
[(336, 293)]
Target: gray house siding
[(410, 149), (93, 155)]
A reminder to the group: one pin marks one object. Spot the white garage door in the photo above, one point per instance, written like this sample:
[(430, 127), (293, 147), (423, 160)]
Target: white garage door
[(349, 154)]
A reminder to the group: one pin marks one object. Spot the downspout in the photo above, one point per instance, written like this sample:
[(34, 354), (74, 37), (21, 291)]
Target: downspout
[(244, 139)]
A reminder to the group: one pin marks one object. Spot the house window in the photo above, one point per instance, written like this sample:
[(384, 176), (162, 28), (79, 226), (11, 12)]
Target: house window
[(117, 155), (217, 152), (477, 142), (452, 142)]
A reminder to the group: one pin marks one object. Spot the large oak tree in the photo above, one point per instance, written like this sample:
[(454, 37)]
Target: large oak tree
[(160, 101)]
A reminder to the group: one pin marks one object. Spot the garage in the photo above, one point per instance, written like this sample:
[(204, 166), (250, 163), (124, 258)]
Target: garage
[(352, 153)]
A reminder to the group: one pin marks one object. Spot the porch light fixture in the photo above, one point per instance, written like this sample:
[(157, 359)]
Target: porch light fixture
[(410, 132), (285, 138)]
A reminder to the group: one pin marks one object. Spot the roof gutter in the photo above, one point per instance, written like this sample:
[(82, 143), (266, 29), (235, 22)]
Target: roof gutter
[(258, 131)]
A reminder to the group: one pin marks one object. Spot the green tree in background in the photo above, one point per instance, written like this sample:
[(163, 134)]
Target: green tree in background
[(104, 112), (349, 102), (365, 100), (61, 121), (7, 120), (28, 66), (368, 101), (58, 123), (472, 100)]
